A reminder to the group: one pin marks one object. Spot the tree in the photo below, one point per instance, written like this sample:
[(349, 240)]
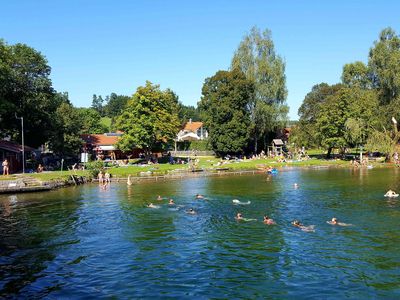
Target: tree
[(306, 131), (187, 112), (149, 120), (339, 112), (68, 121), (224, 106), (384, 63), (356, 74), (257, 59), (25, 91), (91, 121), (115, 105), (97, 104)]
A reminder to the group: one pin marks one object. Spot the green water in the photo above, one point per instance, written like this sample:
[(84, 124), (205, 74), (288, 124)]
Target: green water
[(87, 242)]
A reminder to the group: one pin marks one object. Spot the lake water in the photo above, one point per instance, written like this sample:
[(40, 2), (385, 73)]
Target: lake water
[(86, 242)]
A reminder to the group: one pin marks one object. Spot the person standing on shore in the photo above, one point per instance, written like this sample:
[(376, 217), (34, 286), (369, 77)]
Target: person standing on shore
[(5, 167)]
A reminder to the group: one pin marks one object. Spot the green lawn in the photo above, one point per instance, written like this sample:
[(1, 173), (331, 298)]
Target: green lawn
[(206, 163)]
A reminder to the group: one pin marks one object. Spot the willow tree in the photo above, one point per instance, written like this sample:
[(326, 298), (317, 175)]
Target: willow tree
[(149, 120), (257, 59)]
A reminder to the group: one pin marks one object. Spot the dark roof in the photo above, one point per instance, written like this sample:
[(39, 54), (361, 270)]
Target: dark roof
[(14, 147)]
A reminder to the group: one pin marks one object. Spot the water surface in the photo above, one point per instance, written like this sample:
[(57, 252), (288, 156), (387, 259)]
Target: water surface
[(86, 242)]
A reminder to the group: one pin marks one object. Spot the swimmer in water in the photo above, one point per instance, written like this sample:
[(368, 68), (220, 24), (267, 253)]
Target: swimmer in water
[(159, 198), (390, 193), (199, 196), (239, 216), (191, 211), (151, 205), (268, 221), (295, 185), (309, 228), (171, 202), (335, 221)]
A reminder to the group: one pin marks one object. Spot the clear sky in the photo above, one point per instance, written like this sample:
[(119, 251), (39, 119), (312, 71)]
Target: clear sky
[(100, 47)]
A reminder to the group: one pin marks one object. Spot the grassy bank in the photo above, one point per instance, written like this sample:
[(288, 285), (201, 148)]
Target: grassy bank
[(205, 163)]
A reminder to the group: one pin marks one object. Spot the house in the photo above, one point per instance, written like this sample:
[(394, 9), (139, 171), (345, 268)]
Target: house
[(192, 131), (13, 153), (103, 146)]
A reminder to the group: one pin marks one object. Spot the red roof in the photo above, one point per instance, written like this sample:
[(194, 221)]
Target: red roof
[(192, 126), (14, 147), (100, 139)]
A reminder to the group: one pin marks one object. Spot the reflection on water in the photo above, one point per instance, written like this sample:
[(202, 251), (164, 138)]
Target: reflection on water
[(89, 242)]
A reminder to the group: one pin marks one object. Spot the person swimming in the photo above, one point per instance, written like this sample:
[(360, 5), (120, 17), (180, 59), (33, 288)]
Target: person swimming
[(191, 211), (310, 228), (239, 216), (391, 193), (159, 198), (268, 221), (295, 185), (199, 196), (171, 202), (151, 205), (335, 221)]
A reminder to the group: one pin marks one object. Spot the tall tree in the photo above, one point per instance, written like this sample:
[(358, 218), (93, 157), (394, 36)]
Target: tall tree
[(306, 131), (149, 120), (384, 62), (225, 109), (339, 113), (257, 59), (25, 91), (97, 104)]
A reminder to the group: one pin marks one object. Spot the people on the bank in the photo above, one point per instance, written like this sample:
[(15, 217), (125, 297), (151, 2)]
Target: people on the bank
[(39, 168), (391, 193), (335, 221), (5, 167), (268, 221)]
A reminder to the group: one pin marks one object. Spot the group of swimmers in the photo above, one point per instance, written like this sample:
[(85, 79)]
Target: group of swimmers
[(268, 221), (171, 202)]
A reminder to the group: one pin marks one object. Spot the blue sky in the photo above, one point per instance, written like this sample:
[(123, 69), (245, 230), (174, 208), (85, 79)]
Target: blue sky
[(99, 47)]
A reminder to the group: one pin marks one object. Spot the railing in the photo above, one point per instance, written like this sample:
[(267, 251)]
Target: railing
[(192, 153)]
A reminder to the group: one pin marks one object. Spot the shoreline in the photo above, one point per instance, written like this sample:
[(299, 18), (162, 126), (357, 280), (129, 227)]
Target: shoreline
[(19, 185)]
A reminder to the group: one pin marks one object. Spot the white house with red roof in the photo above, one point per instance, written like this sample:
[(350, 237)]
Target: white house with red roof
[(192, 131)]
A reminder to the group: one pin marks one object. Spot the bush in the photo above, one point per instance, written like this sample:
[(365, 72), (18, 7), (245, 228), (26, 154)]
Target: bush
[(200, 145), (94, 167)]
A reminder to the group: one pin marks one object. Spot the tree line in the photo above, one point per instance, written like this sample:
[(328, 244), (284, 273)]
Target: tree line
[(361, 110)]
